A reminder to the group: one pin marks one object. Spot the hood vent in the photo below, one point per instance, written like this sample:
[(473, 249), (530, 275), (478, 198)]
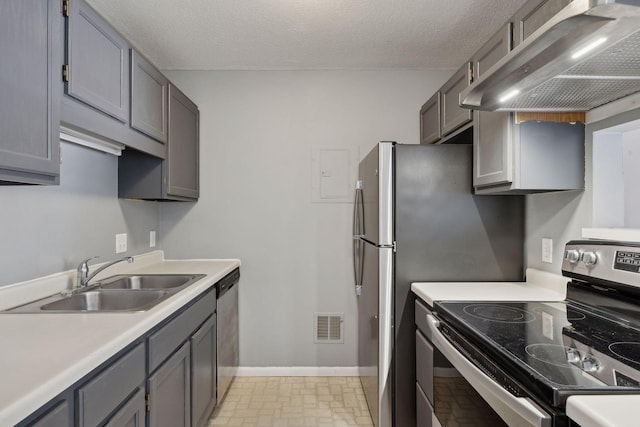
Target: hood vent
[(585, 56)]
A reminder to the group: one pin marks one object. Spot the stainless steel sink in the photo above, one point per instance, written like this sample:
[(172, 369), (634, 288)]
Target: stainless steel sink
[(123, 293), (107, 301), (148, 281)]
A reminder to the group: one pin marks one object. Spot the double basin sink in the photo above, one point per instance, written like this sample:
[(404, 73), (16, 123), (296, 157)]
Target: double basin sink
[(123, 293)]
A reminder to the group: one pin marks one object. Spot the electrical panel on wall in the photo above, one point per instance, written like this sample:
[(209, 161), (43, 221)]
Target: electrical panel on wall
[(334, 173)]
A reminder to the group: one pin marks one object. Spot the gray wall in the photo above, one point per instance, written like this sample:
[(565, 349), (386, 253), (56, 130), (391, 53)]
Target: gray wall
[(256, 137), (46, 230), (562, 215)]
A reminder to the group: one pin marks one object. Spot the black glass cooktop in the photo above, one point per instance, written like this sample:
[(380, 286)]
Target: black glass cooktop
[(553, 349)]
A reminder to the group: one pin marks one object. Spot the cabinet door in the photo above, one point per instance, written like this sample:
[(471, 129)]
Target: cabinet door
[(98, 60), (492, 141), (430, 120), (149, 91), (454, 116), (181, 166), (533, 15), (169, 392), (424, 412), (58, 416), (101, 395), (30, 33), (132, 414), (203, 372)]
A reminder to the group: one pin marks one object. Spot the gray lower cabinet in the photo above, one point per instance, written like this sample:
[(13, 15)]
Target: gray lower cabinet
[(424, 411), (60, 415), (167, 379), (132, 414), (30, 34), (99, 397), (203, 372), (186, 375), (424, 369), (169, 391)]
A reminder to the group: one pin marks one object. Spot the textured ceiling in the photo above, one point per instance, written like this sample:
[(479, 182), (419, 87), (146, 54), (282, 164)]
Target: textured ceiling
[(306, 34)]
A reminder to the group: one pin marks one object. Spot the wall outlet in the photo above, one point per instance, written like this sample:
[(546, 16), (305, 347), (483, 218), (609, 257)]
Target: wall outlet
[(547, 250), (121, 243), (152, 239)]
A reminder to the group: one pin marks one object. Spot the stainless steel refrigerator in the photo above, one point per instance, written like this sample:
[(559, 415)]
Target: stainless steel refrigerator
[(416, 219)]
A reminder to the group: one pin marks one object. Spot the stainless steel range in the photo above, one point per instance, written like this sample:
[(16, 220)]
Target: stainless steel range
[(527, 358)]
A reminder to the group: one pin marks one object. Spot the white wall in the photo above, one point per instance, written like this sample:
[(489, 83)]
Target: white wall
[(257, 130), (48, 229)]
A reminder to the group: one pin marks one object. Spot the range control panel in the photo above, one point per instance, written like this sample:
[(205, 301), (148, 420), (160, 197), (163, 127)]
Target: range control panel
[(627, 261), (616, 262)]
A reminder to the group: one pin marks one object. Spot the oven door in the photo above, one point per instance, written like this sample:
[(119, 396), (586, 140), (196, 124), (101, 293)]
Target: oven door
[(463, 395)]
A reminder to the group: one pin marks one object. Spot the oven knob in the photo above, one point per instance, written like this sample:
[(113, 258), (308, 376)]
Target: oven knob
[(589, 258), (572, 255), (589, 364), (573, 356)]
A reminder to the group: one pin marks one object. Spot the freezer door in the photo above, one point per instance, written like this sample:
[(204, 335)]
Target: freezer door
[(376, 177)]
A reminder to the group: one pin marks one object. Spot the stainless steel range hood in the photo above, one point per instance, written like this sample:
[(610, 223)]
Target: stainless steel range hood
[(587, 55)]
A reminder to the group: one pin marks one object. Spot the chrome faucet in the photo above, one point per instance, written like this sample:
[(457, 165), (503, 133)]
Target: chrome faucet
[(83, 270)]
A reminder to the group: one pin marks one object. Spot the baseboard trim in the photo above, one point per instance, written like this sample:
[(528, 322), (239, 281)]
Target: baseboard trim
[(297, 371)]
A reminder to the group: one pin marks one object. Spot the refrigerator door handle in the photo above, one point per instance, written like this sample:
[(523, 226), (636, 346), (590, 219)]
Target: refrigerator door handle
[(358, 212), (358, 231)]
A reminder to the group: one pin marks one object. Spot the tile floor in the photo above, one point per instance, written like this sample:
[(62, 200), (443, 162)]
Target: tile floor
[(293, 401)]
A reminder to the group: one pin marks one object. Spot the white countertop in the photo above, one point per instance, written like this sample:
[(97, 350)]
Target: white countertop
[(586, 410), (605, 411), (43, 354), (540, 286)]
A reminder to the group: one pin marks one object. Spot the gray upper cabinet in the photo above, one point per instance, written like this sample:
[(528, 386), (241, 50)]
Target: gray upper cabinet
[(453, 116), (430, 122), (532, 156), (532, 16), (492, 156), (182, 170), (30, 34), (547, 156), (97, 94), (176, 178), (149, 92), (98, 61)]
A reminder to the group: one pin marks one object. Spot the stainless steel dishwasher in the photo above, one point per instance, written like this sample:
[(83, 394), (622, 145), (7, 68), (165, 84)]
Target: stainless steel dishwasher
[(227, 331)]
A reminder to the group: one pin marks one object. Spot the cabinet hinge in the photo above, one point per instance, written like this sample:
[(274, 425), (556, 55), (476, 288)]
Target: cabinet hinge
[(65, 72), (147, 402), (65, 7)]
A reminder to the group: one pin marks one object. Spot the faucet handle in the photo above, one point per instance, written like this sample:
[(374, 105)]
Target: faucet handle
[(84, 265)]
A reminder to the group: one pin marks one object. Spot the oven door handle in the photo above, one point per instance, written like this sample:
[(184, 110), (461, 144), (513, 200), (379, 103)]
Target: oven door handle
[(514, 410)]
